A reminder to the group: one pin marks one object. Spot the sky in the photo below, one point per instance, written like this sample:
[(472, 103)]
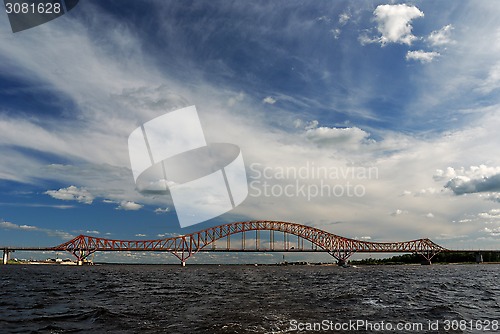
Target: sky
[(371, 120)]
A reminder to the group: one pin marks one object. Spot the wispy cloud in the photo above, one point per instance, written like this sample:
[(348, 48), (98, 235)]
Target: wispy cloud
[(441, 37), (30, 228), (38, 205), (422, 56)]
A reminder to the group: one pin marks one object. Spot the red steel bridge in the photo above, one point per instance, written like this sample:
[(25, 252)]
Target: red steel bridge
[(283, 237)]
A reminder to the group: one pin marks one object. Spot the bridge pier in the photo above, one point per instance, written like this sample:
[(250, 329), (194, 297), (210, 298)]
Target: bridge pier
[(6, 256), (183, 263), (342, 256), (427, 255), (342, 263), (479, 258)]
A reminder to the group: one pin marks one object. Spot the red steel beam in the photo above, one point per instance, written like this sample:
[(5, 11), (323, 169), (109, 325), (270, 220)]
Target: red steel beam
[(186, 245)]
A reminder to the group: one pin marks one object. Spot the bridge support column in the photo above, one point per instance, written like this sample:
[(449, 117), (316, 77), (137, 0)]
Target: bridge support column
[(427, 255), (479, 258), (183, 263), (5, 257), (341, 256)]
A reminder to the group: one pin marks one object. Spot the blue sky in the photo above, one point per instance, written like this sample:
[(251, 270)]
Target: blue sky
[(410, 89)]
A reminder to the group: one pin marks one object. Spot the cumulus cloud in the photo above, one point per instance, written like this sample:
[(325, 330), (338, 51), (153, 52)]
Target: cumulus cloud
[(441, 37), (72, 193), (344, 18), (440, 174), (129, 206), (269, 100), (140, 235), (394, 23), (477, 179), (465, 185), (422, 56)]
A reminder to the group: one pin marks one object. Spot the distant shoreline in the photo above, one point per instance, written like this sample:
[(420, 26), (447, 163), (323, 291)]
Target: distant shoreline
[(67, 263)]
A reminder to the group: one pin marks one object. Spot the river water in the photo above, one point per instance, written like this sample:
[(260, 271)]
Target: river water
[(249, 299)]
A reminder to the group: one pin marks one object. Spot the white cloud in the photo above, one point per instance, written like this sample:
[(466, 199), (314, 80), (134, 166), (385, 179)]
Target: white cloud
[(398, 212), (442, 175), (93, 232), (494, 232), (269, 100), (72, 193), (311, 125), (441, 37), (492, 82), (51, 233), (344, 18), (140, 235), (9, 225), (495, 197), (161, 210), (427, 191), (38, 205), (394, 23), (233, 100), (336, 33), (477, 179), (422, 56), (492, 214), (429, 215), (343, 137), (298, 123), (129, 206)]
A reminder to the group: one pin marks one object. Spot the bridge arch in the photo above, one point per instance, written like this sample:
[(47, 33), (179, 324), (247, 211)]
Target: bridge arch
[(185, 246)]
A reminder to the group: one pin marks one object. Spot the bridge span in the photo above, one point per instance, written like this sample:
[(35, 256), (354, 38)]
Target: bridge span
[(292, 239)]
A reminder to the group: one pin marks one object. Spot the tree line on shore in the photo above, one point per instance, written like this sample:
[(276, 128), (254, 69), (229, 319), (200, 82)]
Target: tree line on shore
[(463, 257)]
